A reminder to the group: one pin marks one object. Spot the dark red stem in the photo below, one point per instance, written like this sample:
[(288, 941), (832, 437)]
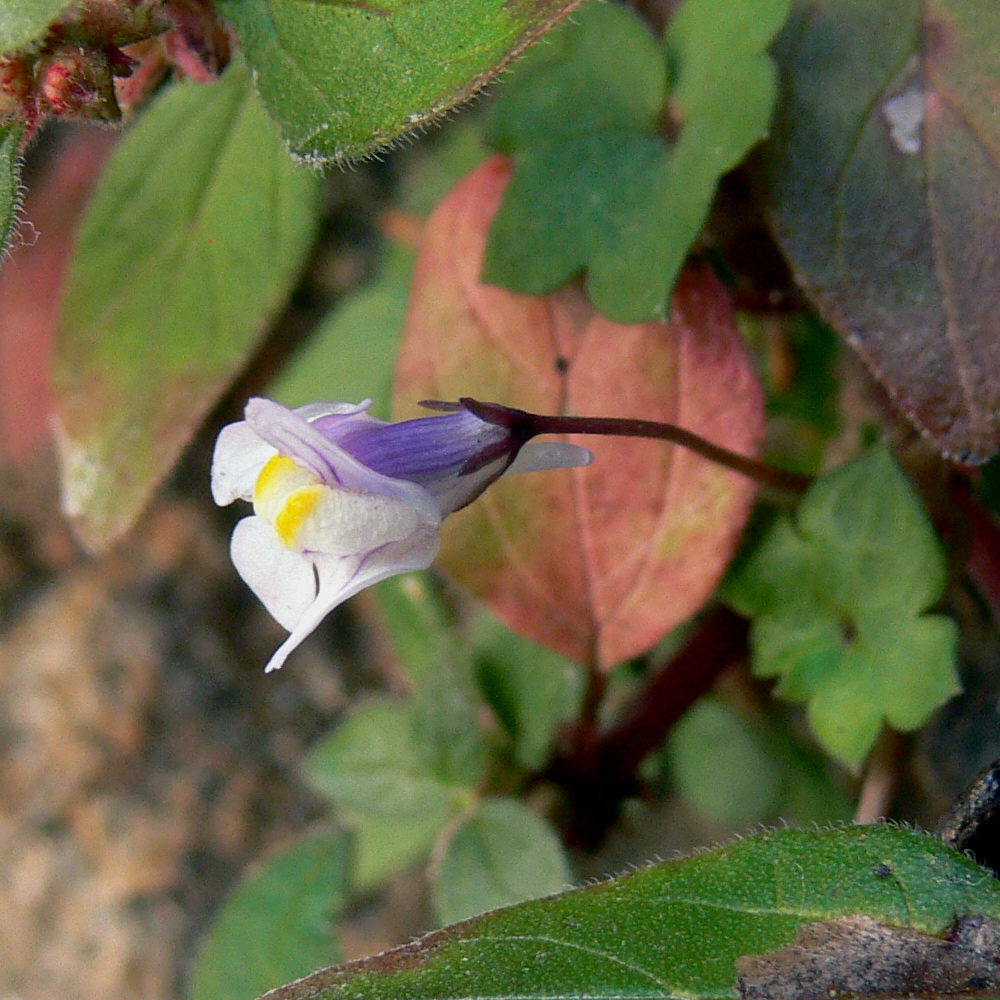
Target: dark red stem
[(526, 425), (598, 774)]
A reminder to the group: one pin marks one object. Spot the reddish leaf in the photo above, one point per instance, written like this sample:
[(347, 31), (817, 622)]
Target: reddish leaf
[(884, 177), (30, 284), (596, 563)]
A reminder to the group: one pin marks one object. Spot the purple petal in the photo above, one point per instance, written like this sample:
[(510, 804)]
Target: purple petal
[(330, 463)]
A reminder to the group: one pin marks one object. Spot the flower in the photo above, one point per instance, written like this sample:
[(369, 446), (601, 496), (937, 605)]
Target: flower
[(342, 500)]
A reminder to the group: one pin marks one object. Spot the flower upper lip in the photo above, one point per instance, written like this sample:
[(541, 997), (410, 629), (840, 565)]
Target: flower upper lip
[(314, 539)]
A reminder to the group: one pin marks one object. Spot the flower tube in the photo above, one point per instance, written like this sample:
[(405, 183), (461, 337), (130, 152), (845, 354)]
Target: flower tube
[(342, 500)]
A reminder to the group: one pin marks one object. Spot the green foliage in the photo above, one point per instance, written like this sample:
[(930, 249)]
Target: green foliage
[(24, 21), (502, 853), (676, 929), (278, 925), (438, 163), (350, 357), (190, 244), (739, 773), (344, 78), (445, 706), (419, 622), (10, 180), (838, 596), (798, 361), (530, 689), (596, 185), (388, 784)]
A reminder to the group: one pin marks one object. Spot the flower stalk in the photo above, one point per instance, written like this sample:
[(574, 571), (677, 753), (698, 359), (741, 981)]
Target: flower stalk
[(528, 425)]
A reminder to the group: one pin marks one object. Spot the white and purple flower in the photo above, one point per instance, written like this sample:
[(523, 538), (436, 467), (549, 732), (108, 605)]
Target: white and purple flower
[(343, 500)]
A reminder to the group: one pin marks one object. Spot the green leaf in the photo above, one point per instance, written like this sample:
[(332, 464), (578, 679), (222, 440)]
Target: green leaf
[(531, 689), (838, 599), (10, 180), (344, 78), (377, 771), (420, 624), (352, 354), (445, 707), (504, 853), (775, 776), (675, 930), (23, 21), (702, 749), (596, 184), (278, 925), (190, 245), (799, 367), (432, 167)]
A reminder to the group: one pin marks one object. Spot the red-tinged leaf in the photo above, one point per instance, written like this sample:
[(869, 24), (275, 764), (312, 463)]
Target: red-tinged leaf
[(596, 563), (30, 282), (884, 180), (191, 242)]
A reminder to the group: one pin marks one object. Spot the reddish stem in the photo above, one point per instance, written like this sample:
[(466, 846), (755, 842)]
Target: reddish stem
[(599, 774), (526, 425)]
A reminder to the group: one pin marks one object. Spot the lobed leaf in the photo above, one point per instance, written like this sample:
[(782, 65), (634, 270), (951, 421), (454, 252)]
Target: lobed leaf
[(344, 78), (597, 563), (382, 776), (676, 930), (191, 243), (503, 853), (884, 183), (24, 21), (10, 180), (597, 185), (839, 595), (278, 925)]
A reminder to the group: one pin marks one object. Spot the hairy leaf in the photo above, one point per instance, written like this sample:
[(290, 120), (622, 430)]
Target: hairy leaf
[(503, 853), (344, 77), (191, 243), (597, 563), (676, 930), (23, 21), (839, 594), (278, 925), (10, 180), (884, 180), (597, 185)]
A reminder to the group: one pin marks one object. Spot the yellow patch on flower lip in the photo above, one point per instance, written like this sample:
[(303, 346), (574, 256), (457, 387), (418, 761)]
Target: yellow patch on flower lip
[(298, 507), (279, 477)]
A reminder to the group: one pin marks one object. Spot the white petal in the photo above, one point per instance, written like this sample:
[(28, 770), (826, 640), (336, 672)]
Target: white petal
[(345, 523), (536, 456), (313, 411), (457, 491), (239, 455), (342, 577), (284, 580)]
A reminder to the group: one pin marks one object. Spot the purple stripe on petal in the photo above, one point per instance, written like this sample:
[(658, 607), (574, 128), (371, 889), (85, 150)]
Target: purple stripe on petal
[(425, 449), (330, 463)]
